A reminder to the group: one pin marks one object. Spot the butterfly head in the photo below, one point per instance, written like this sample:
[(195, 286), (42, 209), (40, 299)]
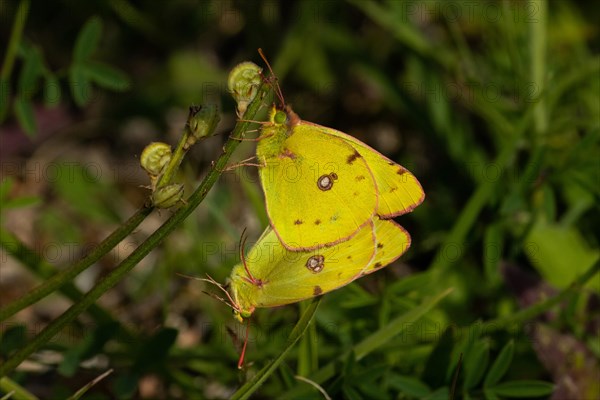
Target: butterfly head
[(277, 116), (285, 116), (242, 308)]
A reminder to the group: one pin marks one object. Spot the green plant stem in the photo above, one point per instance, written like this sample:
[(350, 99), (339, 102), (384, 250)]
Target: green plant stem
[(139, 253), (7, 385), (308, 360), (537, 46), (44, 270), (200, 119), (58, 280), (11, 54)]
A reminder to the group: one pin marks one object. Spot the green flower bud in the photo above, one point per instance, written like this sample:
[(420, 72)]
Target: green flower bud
[(155, 157), (167, 196), (202, 122), (243, 84)]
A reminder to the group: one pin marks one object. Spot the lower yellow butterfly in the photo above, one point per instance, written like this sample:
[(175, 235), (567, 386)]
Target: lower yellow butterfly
[(271, 275)]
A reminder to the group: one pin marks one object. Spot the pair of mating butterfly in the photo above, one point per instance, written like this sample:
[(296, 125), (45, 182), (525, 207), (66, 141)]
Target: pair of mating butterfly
[(330, 199)]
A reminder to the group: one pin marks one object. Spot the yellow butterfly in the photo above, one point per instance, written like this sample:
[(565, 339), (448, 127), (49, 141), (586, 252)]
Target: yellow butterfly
[(271, 275), (322, 186)]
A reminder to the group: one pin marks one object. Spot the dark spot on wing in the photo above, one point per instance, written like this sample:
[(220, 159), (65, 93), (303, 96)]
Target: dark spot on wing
[(315, 263), (349, 257), (355, 194), (318, 222), (352, 157), (297, 222), (401, 171), (325, 182), (378, 265), (317, 290), (333, 176), (380, 245), (287, 153), (392, 190), (360, 178)]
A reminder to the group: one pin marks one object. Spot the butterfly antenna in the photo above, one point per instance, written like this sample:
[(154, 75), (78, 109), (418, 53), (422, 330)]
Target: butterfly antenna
[(243, 257), (219, 298), (277, 87), (231, 303), (243, 355)]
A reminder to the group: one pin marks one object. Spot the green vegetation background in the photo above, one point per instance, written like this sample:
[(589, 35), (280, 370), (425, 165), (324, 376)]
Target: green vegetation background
[(493, 105)]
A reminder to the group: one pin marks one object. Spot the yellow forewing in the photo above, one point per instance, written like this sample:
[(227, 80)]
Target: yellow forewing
[(285, 277), (319, 190), (399, 191)]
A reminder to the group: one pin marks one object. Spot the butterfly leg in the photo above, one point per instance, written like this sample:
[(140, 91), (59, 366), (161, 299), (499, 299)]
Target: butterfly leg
[(244, 163)]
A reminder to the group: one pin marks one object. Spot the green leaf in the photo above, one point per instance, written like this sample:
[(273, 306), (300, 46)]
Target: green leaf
[(32, 69), (409, 385), (476, 362), (549, 203), (106, 76), (80, 85), (20, 202), (125, 385), (88, 39), (52, 91), (560, 253), (25, 115), (520, 389), (5, 95), (5, 186), (351, 394), (12, 338), (409, 283), (396, 326), (489, 395), (92, 344), (439, 394), (154, 351), (492, 252), (500, 365), (438, 362), (252, 386)]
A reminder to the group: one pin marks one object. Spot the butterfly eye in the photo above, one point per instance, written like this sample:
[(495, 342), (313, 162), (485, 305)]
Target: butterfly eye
[(280, 117), (315, 263), (325, 182)]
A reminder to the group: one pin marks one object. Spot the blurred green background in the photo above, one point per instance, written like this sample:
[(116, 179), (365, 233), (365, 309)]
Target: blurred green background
[(493, 105)]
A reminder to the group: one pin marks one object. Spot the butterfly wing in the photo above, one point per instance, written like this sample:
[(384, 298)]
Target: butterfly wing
[(318, 189), (392, 241), (290, 276), (399, 191)]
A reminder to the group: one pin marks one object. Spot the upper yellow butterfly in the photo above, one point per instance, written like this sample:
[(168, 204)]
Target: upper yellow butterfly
[(322, 186)]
